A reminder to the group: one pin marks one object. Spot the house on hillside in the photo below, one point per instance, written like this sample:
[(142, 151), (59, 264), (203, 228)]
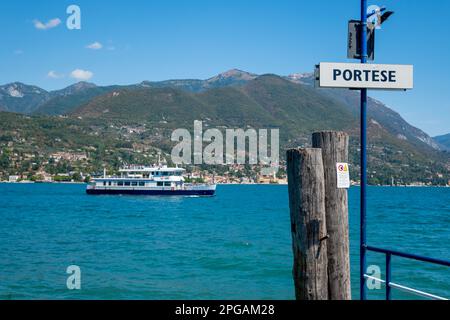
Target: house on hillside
[(13, 178)]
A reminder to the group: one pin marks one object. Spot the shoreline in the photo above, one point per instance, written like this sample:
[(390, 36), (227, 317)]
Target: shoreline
[(259, 184)]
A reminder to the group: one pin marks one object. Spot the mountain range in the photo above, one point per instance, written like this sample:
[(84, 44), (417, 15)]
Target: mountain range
[(240, 99), (22, 98)]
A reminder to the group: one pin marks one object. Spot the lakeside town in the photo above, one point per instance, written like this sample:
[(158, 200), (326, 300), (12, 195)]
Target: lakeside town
[(68, 165)]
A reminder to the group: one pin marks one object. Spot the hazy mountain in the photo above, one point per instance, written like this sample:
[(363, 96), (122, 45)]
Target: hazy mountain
[(22, 98), (229, 78), (444, 141), (74, 88), (65, 100)]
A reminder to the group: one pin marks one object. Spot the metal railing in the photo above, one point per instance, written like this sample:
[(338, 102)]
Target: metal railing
[(389, 284)]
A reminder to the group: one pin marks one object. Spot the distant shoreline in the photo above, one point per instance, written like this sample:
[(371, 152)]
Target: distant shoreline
[(259, 184)]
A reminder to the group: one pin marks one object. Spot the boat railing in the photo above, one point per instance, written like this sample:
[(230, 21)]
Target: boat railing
[(388, 279)]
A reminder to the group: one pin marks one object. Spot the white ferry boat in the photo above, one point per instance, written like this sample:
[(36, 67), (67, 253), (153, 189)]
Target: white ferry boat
[(156, 180)]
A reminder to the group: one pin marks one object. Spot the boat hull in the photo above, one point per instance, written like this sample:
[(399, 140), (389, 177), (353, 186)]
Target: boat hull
[(197, 192)]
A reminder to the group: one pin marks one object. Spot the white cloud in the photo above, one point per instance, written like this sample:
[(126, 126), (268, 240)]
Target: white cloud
[(95, 46), (54, 75), (48, 25), (81, 75)]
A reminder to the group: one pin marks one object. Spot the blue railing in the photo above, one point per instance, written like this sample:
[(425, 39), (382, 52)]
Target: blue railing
[(389, 284)]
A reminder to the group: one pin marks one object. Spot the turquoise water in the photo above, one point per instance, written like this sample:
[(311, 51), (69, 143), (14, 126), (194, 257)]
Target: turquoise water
[(236, 245)]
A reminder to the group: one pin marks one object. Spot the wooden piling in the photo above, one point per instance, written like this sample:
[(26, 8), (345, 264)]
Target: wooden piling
[(334, 147), (308, 225)]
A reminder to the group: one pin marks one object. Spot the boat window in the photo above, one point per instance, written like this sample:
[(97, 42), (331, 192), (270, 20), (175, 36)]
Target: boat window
[(127, 183), (120, 183), (104, 183), (109, 183), (134, 183), (141, 183), (165, 173), (167, 184), (159, 184)]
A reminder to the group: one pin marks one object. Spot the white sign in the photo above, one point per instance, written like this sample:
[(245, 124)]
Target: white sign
[(362, 75), (343, 175)]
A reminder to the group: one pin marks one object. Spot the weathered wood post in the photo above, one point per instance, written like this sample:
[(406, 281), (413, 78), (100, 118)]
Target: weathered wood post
[(308, 226), (334, 147)]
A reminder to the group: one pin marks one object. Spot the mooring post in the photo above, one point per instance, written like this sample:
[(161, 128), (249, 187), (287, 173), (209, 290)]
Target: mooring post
[(308, 225), (334, 147)]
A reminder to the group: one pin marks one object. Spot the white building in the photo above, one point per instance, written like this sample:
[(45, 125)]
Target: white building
[(13, 178)]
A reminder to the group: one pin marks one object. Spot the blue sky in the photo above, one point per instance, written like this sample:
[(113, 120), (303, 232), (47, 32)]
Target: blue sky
[(158, 40)]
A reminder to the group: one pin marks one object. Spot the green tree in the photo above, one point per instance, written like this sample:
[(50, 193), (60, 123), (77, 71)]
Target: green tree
[(4, 159), (77, 177)]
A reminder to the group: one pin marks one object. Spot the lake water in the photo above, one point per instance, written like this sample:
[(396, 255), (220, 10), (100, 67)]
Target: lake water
[(236, 245)]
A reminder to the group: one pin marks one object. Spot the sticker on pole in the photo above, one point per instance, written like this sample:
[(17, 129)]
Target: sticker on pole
[(343, 175)]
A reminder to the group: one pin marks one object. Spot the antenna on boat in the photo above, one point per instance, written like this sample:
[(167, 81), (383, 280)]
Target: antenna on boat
[(104, 172)]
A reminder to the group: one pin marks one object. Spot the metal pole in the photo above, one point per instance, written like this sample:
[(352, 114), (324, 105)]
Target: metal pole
[(388, 276), (363, 156)]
